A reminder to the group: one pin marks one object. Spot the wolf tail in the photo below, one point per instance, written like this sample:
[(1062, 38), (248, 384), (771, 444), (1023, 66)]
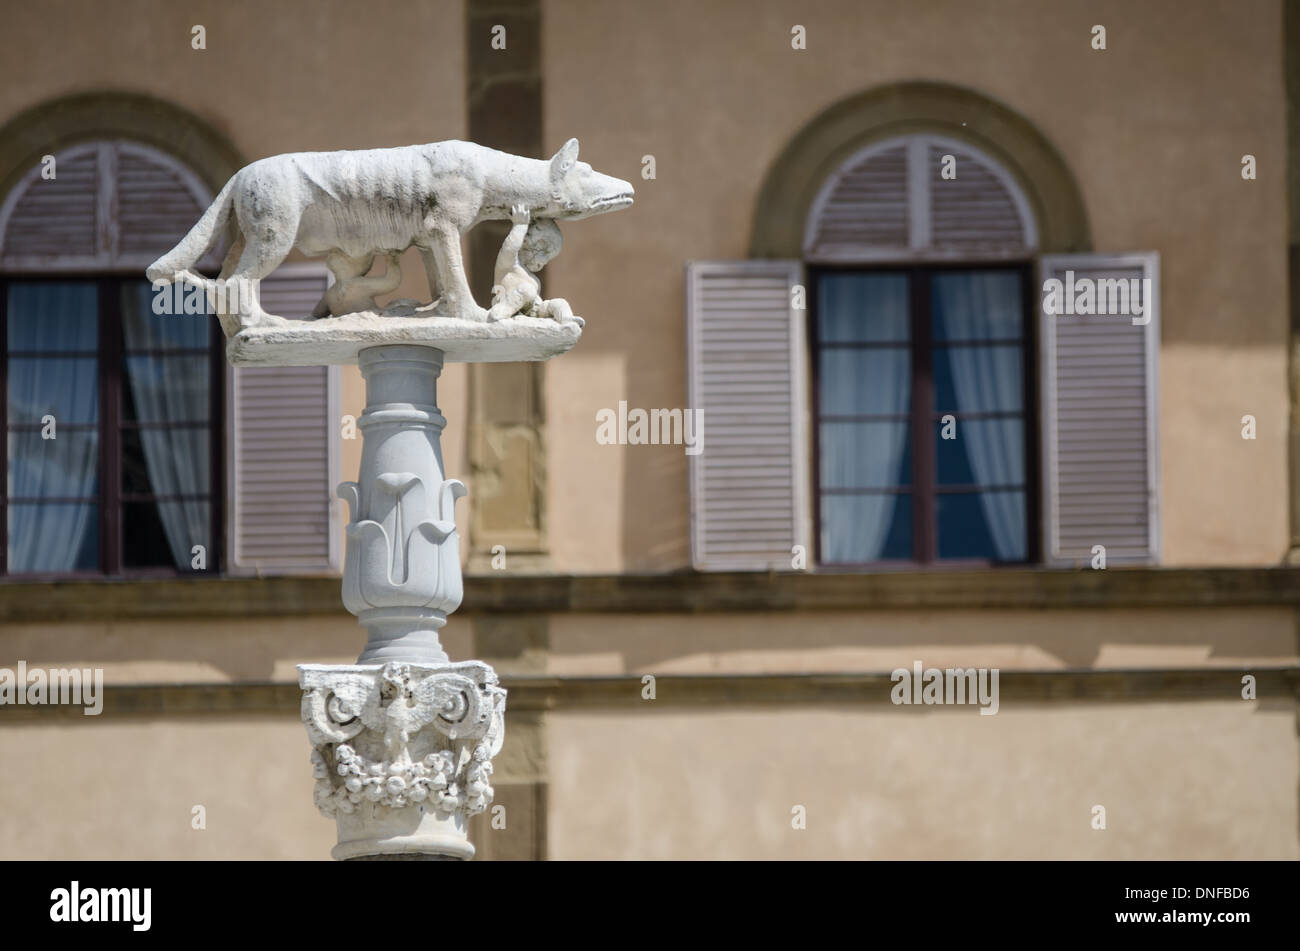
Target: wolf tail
[(194, 245)]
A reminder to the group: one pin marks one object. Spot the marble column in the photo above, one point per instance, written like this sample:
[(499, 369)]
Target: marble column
[(403, 741)]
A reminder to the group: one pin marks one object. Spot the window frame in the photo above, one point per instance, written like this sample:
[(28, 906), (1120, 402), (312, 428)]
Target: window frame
[(921, 415), (110, 345)]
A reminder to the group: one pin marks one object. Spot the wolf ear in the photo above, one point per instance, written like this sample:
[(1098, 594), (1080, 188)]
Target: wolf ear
[(564, 159)]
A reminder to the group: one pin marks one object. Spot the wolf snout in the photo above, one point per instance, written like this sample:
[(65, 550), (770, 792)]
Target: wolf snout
[(620, 197)]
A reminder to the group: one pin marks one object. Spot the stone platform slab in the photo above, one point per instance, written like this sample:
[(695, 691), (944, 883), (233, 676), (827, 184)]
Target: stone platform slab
[(338, 340)]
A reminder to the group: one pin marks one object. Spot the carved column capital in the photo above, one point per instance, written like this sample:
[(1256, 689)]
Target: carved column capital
[(402, 753)]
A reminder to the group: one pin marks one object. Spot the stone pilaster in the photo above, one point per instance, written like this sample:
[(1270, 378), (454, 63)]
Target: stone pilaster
[(1291, 46), (507, 416)]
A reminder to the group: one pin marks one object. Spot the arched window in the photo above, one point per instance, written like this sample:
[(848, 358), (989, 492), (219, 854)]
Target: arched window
[(112, 408), (918, 251), (903, 245)]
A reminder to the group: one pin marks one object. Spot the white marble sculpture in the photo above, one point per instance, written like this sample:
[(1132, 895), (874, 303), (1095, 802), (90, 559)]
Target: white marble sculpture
[(352, 206), (403, 740)]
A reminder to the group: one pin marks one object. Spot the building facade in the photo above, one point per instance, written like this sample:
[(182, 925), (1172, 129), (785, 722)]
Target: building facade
[(830, 419)]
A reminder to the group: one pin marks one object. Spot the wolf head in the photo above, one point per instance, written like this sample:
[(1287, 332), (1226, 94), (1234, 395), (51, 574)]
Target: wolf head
[(579, 192)]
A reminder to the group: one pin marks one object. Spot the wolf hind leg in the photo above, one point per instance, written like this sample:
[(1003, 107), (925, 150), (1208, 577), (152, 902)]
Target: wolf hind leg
[(230, 319), (258, 259)]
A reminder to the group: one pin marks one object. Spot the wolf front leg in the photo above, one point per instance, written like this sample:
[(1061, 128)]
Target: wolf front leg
[(431, 270), (446, 269)]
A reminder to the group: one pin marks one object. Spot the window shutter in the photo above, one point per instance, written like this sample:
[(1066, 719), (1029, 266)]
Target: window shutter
[(745, 370), (284, 460), (892, 201), (1099, 399), (864, 205), (56, 217), (158, 202), (975, 211), (111, 206)]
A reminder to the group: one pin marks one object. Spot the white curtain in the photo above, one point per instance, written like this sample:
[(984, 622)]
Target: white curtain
[(48, 318), (862, 381), (979, 306), (171, 389)]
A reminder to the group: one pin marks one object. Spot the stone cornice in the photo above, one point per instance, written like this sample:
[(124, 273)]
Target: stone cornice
[(624, 692), (685, 592)]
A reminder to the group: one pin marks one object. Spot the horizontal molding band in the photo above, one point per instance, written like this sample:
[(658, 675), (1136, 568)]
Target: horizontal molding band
[(682, 592), (622, 693)]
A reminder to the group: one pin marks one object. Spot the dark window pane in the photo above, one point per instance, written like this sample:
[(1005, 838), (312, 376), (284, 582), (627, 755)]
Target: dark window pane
[(145, 330), (984, 452), (144, 541), (857, 529), (976, 305), (167, 389), (163, 534), (158, 461), (975, 379), (863, 308), (53, 537), (64, 467), (865, 382), (48, 317), (981, 525), (135, 474), (66, 388), (865, 455)]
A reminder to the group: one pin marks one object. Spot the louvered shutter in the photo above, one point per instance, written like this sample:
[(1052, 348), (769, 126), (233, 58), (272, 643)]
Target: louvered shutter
[(158, 202), (745, 371), (974, 211), (284, 460), (1100, 385), (891, 201), (863, 207), (49, 218), (111, 206)]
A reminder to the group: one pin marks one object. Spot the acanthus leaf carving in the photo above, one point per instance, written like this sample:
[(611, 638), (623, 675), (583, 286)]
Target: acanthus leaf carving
[(416, 565)]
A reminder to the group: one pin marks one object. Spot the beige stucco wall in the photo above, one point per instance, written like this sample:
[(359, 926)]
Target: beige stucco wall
[(1178, 781), (101, 788), (310, 76), (864, 642), (1184, 780), (1153, 128), (196, 650)]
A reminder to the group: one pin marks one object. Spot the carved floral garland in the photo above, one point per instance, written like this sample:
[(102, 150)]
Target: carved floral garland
[(397, 785)]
